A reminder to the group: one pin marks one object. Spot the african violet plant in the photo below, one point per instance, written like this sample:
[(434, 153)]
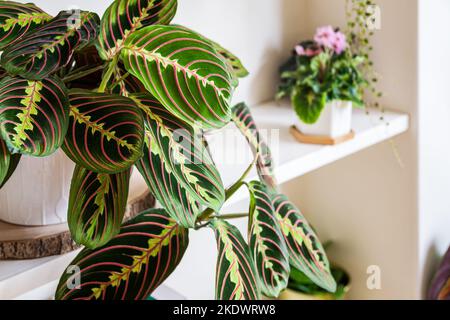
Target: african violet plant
[(131, 90)]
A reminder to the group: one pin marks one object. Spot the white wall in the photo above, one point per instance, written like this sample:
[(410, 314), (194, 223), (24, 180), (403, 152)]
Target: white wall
[(434, 133), (367, 203)]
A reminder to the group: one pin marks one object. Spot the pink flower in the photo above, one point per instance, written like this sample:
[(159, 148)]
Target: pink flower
[(309, 52), (340, 43), (300, 50), (325, 36)]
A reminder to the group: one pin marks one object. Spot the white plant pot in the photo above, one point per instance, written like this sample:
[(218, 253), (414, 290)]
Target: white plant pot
[(37, 193), (334, 121)]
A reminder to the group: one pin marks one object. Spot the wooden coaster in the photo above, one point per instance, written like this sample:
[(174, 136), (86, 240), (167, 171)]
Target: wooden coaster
[(322, 140), (21, 242)]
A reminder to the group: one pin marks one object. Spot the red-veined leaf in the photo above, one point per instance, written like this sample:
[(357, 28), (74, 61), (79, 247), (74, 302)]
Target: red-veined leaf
[(236, 277), (17, 19), (183, 71), (184, 153), (305, 250), (50, 47), (130, 266), (97, 205), (8, 163), (106, 132), (165, 187), (243, 119), (34, 115), (233, 63), (123, 17), (267, 243)]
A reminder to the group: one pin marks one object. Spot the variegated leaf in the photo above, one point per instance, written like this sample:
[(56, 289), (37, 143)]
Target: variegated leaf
[(184, 153), (123, 17), (267, 244), (106, 132), (18, 19), (305, 250), (97, 205), (8, 163), (234, 64), (129, 267), (51, 46), (236, 277), (243, 119), (165, 187), (183, 71), (34, 115)]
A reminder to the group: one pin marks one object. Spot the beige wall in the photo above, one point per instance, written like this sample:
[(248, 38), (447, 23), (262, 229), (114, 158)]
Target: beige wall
[(367, 203)]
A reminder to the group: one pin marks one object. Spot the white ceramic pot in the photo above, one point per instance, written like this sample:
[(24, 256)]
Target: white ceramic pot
[(37, 193), (334, 121)]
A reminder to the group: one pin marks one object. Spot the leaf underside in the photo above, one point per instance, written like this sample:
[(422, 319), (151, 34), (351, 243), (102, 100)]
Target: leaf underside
[(243, 119), (133, 264)]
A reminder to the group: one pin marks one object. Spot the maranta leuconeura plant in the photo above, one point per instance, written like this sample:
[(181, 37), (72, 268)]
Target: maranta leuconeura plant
[(116, 93)]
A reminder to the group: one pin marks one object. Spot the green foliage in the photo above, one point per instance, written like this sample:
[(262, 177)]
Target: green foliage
[(130, 91), (313, 81)]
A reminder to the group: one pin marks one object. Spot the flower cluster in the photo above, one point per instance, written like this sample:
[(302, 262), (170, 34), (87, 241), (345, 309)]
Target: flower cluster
[(325, 38)]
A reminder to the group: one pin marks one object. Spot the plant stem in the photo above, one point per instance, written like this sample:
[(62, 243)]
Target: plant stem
[(231, 216), (208, 213), (82, 74), (108, 74)]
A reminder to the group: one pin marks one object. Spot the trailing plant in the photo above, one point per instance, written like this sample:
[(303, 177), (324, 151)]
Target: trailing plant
[(319, 71), (130, 90), (361, 16)]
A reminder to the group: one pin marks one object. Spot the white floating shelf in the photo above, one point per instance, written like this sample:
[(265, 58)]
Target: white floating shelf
[(232, 156), (293, 159)]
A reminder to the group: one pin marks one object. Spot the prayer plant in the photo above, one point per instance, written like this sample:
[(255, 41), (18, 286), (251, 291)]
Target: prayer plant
[(127, 90)]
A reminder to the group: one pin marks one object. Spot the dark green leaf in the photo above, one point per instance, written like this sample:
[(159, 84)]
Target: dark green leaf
[(123, 17), (18, 19), (164, 185), (184, 153), (51, 46), (106, 132), (97, 205), (8, 163), (133, 264), (34, 115), (182, 71), (236, 277), (267, 243), (308, 105)]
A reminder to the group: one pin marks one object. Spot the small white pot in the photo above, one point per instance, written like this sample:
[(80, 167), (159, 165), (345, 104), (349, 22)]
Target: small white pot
[(334, 121), (37, 193)]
